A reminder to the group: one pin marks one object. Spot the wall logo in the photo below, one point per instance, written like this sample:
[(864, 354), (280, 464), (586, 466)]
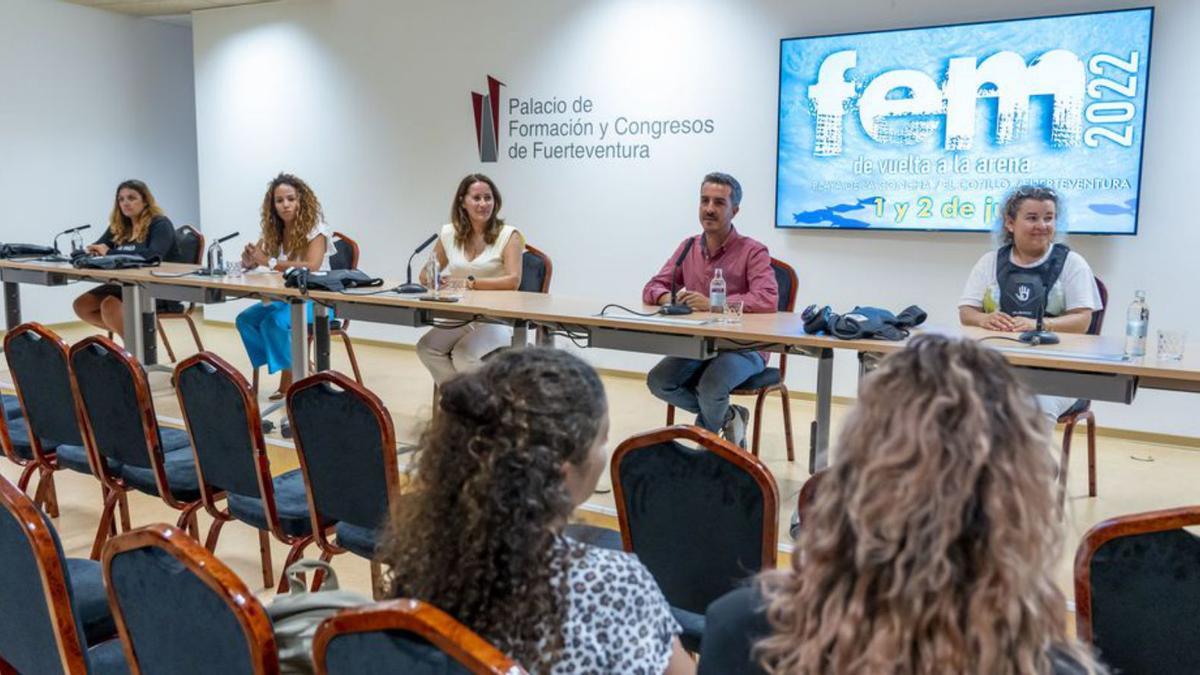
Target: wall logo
[(487, 120)]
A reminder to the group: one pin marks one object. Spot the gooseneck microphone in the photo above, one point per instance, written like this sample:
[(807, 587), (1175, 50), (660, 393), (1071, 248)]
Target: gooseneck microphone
[(675, 307), (58, 254), (409, 286), (1039, 335), (215, 258)]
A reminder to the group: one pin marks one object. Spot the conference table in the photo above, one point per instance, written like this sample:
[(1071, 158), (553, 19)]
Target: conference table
[(1082, 366)]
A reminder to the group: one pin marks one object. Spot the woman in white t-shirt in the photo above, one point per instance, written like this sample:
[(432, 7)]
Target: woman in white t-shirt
[(294, 234), (1007, 287), (478, 247)]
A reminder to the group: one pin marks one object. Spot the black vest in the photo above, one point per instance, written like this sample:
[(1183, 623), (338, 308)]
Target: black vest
[(1024, 289)]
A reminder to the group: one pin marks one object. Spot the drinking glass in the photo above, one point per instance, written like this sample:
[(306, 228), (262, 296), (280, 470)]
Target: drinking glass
[(233, 268), (733, 311), (454, 288), (1170, 344)]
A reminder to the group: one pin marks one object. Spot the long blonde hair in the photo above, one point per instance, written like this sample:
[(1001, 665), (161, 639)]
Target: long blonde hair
[(275, 237), (125, 230), (931, 540)]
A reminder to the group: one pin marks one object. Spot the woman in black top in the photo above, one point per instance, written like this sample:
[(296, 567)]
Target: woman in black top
[(136, 225)]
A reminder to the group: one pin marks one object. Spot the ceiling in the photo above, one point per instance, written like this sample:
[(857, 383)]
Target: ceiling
[(160, 8)]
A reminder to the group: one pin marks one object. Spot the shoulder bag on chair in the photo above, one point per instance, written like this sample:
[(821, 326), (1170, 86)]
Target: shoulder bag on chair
[(297, 615)]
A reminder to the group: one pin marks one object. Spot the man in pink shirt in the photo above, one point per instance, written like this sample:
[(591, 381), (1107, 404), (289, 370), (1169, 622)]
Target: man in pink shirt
[(703, 387)]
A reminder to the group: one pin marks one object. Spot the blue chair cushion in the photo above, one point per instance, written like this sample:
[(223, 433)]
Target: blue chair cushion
[(18, 433), (181, 475), (693, 628), (291, 503), (91, 600), (769, 377), (600, 537), (358, 540), (107, 658), (12, 406), (74, 457), (173, 439)]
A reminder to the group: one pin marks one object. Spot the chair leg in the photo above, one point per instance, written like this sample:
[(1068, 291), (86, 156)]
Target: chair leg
[(254, 382), (353, 359), (758, 408), (1065, 459), (1091, 441), (670, 414), (26, 475), (319, 575), (166, 340), (195, 333), (294, 554), (123, 511), (50, 494), (376, 580), (214, 533), (106, 523), (264, 550), (188, 522), (787, 423)]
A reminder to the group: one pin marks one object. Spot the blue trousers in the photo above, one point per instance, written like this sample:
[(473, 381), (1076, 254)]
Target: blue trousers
[(703, 387), (266, 332)]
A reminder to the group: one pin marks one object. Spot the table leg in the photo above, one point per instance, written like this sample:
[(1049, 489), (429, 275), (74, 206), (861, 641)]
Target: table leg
[(818, 457), (12, 304), (321, 335), (299, 340), (520, 336), (140, 339)]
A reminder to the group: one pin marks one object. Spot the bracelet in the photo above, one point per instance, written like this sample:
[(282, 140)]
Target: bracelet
[(471, 281)]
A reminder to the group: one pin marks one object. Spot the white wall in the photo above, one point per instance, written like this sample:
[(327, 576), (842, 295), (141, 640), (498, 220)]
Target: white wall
[(369, 101), (89, 98)]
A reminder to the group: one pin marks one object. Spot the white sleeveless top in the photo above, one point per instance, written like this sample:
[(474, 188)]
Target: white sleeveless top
[(321, 229), (489, 264)]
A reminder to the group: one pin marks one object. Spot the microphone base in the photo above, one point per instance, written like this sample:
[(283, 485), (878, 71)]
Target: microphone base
[(205, 272), (412, 288), (1039, 337), (675, 310)]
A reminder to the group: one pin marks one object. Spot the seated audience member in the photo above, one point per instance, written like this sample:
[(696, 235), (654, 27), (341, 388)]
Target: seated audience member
[(516, 446), (476, 245), (931, 542), (294, 234), (1008, 287), (136, 225), (702, 387)]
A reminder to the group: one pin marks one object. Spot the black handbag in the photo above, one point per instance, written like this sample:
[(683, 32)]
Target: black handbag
[(25, 251), (333, 280), (115, 261)]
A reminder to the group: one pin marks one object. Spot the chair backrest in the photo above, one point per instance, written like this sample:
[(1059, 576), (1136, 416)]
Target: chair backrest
[(403, 636), (114, 397), (1098, 315), (347, 448), (191, 244), (701, 520), (39, 632), (222, 418), (345, 253), (788, 283), (1137, 587), (180, 610), (536, 270), (38, 362)]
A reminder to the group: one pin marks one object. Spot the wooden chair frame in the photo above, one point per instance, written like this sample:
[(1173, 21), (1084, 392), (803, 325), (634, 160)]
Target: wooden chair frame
[(186, 314), (262, 470), (419, 618), (322, 526), (115, 486), (1115, 528), (723, 449), (71, 649), (250, 614), (1069, 420), (761, 393), (545, 261)]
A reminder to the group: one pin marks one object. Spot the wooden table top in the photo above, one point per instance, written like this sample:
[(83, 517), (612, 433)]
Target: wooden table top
[(1088, 353)]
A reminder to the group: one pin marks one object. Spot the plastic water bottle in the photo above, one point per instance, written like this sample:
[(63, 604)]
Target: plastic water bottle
[(1137, 321), (716, 292)]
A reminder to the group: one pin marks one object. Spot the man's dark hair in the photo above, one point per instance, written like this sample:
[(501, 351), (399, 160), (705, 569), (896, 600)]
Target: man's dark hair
[(735, 188)]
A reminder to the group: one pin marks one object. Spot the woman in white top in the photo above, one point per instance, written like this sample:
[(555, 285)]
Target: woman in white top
[(294, 234), (478, 247), (1007, 287)]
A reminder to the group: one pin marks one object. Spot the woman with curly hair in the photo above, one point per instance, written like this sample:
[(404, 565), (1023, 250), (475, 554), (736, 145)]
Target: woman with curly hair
[(930, 543), (516, 446), (136, 225), (294, 234), (476, 245)]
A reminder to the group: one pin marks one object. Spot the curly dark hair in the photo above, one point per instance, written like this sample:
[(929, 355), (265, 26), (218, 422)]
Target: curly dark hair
[(275, 237), (479, 537)]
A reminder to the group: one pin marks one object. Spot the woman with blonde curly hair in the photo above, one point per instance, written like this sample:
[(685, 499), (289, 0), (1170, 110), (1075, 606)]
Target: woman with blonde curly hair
[(294, 234), (930, 544), (516, 446), (136, 225)]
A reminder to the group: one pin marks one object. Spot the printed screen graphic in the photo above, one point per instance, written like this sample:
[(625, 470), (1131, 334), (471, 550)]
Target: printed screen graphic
[(928, 129)]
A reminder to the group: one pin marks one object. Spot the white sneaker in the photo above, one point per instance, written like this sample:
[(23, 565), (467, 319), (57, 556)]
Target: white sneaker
[(734, 430)]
